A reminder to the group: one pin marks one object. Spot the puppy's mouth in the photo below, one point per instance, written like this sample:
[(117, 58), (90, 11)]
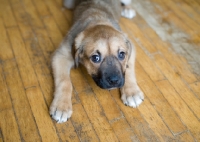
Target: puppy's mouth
[(110, 74), (109, 81)]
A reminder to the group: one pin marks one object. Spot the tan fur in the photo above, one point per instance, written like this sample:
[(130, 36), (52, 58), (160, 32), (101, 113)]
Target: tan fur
[(104, 39), (95, 30)]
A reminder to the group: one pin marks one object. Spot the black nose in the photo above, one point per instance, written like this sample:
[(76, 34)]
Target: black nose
[(113, 80)]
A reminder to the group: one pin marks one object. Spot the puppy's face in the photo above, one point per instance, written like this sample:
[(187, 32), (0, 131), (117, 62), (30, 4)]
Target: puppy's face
[(104, 52)]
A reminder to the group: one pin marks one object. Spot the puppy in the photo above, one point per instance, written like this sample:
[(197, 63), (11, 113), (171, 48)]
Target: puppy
[(96, 41)]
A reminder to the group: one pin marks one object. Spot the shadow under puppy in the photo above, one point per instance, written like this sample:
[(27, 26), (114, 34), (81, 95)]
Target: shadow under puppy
[(104, 50)]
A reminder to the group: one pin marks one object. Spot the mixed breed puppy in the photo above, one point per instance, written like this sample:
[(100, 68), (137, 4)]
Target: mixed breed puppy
[(96, 41)]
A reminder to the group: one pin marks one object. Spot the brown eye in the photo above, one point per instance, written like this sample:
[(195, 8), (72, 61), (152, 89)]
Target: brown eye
[(121, 55), (96, 58)]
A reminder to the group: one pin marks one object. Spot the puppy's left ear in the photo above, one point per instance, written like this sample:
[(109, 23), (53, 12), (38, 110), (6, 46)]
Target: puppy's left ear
[(130, 47), (78, 48)]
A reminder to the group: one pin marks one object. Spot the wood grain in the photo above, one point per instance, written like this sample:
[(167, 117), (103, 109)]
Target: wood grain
[(166, 35)]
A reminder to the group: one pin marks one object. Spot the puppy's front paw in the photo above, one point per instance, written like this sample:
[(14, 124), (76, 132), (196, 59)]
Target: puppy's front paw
[(133, 100), (60, 111), (128, 12)]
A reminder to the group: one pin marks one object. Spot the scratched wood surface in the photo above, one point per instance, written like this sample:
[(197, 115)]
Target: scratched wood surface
[(166, 34)]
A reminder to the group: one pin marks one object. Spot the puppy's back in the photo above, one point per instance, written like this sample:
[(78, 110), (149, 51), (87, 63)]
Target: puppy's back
[(111, 7)]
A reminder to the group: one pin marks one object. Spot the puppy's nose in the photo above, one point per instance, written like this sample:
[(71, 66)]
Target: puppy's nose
[(113, 80)]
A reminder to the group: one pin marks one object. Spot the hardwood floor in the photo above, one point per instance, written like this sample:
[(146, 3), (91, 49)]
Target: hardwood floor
[(166, 34)]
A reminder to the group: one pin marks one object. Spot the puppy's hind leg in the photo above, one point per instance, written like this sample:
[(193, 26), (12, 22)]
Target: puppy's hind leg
[(127, 11), (126, 2), (70, 4), (61, 106)]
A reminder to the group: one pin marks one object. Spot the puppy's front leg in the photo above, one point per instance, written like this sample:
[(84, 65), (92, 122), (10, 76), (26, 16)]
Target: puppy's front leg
[(61, 107), (131, 94)]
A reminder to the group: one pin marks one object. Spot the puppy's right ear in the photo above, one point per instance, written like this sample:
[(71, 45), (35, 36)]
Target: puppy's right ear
[(78, 48)]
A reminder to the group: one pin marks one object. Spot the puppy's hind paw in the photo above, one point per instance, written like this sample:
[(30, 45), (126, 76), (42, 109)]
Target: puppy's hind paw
[(128, 13), (60, 115), (133, 100)]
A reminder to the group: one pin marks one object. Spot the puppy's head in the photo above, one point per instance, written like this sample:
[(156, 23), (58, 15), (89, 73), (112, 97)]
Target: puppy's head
[(104, 52)]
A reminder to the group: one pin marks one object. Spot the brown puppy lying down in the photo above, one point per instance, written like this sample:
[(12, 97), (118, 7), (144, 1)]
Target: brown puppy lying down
[(104, 50)]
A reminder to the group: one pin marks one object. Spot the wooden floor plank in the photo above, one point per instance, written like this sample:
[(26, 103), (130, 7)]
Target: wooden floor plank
[(155, 22), (81, 84), (66, 132), (68, 13), (25, 120), (34, 45), (123, 131), (41, 8), (4, 43), (178, 20), (182, 15), (5, 12), (194, 4), (150, 114), (40, 110), (53, 31), (34, 92), (23, 61), (196, 88), (181, 65), (186, 115), (5, 101), (42, 71), (186, 136), (32, 14), (160, 104), (189, 46), (45, 44), (101, 126), (128, 26), (58, 15), (188, 10), (41, 68), (22, 19), (82, 125), (60, 3), (8, 126), (171, 17), (135, 120), (179, 85), (22, 58)]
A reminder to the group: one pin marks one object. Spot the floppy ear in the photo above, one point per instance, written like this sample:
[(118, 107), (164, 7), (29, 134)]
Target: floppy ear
[(130, 47), (78, 48)]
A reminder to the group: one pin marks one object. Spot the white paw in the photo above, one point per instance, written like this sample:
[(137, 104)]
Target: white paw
[(60, 114), (126, 2), (69, 4), (128, 13), (133, 100)]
